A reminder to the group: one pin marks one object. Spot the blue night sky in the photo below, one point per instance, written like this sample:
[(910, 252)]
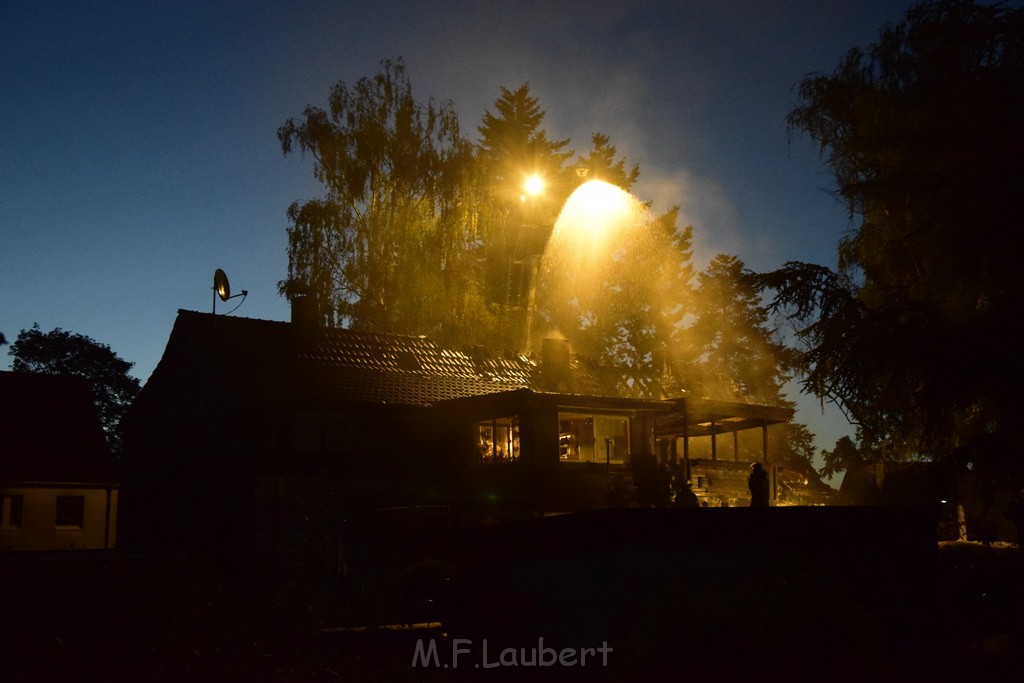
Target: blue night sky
[(140, 149)]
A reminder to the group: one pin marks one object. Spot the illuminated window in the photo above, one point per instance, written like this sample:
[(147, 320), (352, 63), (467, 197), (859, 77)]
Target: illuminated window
[(10, 511), (498, 440), (70, 511), (593, 438)]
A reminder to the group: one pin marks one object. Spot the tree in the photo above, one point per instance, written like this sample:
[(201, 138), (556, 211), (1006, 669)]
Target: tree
[(859, 485), (513, 145), (616, 282), (843, 457), (386, 248), (600, 164), (514, 226), (739, 356), (59, 352), (913, 335)]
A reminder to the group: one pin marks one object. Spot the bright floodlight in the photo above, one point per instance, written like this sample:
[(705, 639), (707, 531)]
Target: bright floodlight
[(534, 185), (596, 213), (599, 205)]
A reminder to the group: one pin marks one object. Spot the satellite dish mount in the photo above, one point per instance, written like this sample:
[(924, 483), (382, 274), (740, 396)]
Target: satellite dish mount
[(222, 289)]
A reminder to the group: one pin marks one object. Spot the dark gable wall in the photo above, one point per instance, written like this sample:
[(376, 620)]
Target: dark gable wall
[(196, 452), (188, 465)]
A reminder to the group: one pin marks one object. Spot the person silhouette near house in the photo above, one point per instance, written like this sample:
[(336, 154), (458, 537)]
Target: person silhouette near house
[(686, 498), (757, 482)]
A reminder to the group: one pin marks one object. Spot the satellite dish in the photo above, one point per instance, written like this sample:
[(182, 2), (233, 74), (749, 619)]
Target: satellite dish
[(222, 289), (220, 285)]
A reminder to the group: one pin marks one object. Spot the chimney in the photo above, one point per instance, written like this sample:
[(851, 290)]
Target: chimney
[(305, 312), (556, 370)]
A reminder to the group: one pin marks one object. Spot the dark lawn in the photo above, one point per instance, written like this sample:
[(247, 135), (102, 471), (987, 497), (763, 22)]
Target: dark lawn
[(734, 612)]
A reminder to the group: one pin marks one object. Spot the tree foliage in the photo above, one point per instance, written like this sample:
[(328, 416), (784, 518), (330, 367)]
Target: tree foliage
[(913, 333), (513, 225), (421, 232), (59, 352), (844, 457), (513, 145), (618, 286), (385, 248), (739, 356), (600, 164), (620, 297)]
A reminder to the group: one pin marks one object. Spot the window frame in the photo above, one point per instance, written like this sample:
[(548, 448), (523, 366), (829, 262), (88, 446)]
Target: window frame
[(566, 444), (12, 511), (485, 454), (61, 512)]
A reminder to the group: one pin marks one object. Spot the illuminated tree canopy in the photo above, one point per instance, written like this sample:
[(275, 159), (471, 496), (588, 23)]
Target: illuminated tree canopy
[(513, 145), (420, 231)]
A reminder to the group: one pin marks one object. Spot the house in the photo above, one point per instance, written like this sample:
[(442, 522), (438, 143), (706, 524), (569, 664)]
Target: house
[(262, 436), (58, 480)]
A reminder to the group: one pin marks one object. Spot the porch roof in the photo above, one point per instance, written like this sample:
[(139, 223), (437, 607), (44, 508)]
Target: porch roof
[(673, 417), (699, 417)]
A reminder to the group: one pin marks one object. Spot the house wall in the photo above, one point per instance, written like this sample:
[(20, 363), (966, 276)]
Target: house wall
[(541, 484), (38, 530)]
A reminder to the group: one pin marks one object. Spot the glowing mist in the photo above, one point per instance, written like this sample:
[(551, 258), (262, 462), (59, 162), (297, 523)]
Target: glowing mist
[(601, 237)]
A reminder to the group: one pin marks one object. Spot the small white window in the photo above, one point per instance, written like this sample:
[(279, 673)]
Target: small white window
[(11, 511)]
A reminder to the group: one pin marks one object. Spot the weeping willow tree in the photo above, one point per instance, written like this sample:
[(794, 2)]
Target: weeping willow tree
[(388, 246)]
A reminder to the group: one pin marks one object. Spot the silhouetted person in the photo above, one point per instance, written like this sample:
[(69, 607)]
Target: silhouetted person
[(663, 492), (686, 498), (757, 482), (648, 479)]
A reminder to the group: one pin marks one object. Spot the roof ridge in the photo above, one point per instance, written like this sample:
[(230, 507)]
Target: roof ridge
[(321, 328)]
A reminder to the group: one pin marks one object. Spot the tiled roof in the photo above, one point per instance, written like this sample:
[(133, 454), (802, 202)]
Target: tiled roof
[(278, 359)]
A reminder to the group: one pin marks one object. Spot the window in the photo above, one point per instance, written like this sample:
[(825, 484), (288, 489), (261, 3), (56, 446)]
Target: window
[(70, 511), (593, 438), (10, 511), (498, 440)]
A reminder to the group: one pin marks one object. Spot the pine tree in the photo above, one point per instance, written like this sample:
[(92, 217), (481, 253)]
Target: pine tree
[(740, 360), (514, 225)]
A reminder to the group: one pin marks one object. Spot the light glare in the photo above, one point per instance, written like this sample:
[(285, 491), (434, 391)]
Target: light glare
[(534, 185)]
